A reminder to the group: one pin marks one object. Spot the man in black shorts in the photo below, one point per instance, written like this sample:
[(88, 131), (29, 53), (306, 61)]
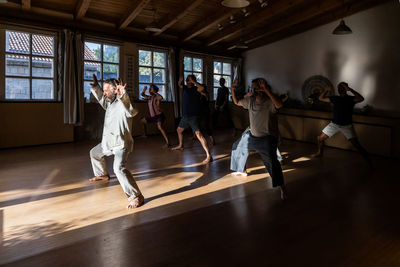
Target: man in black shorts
[(191, 112), (343, 105)]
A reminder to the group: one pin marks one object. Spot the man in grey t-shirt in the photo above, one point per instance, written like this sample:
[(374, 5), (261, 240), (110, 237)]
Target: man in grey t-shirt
[(263, 134)]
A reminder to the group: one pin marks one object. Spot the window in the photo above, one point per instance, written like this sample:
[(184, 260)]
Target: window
[(29, 66), (102, 60), (193, 66), (153, 70), (221, 70)]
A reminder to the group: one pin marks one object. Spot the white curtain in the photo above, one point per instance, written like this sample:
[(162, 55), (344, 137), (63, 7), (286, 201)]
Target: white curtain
[(172, 93), (72, 78)]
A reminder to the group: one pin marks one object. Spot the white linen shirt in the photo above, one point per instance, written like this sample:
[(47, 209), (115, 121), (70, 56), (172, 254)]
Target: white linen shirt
[(117, 130)]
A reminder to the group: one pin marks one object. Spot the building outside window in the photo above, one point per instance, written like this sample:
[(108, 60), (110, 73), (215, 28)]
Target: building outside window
[(30, 61), (153, 70), (102, 60)]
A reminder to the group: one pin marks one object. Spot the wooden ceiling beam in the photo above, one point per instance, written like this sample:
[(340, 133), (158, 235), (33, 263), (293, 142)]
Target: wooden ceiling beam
[(133, 14), (321, 19), (205, 25), (255, 19), (26, 5), (187, 10), (81, 8)]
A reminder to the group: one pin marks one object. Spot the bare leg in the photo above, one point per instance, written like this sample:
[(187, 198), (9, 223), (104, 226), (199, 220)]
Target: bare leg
[(361, 149), (212, 140), (179, 130), (164, 134), (144, 122), (283, 192), (203, 142), (321, 138)]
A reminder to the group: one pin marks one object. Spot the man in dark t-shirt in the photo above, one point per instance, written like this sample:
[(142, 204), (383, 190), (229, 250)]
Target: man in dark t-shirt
[(191, 113), (343, 106), (222, 104)]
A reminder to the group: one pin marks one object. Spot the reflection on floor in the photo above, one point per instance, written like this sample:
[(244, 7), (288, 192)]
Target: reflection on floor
[(339, 211)]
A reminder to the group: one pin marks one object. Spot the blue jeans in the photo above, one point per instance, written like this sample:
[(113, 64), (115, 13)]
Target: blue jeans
[(265, 146)]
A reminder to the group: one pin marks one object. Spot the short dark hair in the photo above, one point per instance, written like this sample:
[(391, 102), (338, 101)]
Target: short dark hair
[(155, 87), (193, 77), (111, 82), (222, 80)]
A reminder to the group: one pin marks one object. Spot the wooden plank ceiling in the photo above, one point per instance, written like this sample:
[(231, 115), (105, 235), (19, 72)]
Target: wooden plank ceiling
[(190, 24)]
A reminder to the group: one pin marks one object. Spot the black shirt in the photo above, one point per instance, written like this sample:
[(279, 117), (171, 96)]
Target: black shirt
[(223, 92), (342, 109), (191, 101)]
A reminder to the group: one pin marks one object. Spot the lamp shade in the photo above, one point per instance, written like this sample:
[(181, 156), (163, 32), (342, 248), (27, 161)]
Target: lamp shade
[(342, 28), (235, 3)]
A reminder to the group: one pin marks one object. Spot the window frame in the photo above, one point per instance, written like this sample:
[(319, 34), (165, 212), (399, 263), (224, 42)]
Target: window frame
[(191, 56), (102, 42), (4, 53), (152, 67), (222, 61)]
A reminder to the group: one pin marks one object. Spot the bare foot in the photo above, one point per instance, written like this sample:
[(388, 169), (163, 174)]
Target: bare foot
[(100, 178), (177, 148), (316, 155), (136, 202), (208, 160), (239, 173)]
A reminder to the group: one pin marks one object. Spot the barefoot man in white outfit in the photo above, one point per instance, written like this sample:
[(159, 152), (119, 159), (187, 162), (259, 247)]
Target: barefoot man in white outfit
[(117, 138)]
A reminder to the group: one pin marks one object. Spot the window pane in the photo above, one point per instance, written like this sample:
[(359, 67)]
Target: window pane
[(141, 88), (227, 68), (17, 88), (216, 80), (215, 93), (144, 75), (217, 67), (187, 62), (92, 51), (197, 64), (110, 71), (186, 73), (86, 91), (144, 58), (17, 65), (42, 45), (111, 53), (199, 77), (42, 67), (42, 89), (158, 76), (91, 68), (17, 42), (159, 59), (227, 81)]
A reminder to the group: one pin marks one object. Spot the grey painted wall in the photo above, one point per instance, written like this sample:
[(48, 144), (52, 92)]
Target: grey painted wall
[(368, 59)]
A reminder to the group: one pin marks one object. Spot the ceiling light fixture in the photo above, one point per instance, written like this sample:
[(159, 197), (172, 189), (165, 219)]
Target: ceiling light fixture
[(342, 28), (235, 3), (153, 26), (232, 19), (245, 12), (220, 27), (263, 3)]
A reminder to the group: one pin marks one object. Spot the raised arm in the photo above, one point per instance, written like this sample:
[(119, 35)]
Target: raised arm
[(357, 96), (124, 99), (287, 95), (143, 94), (322, 97), (98, 93), (180, 82), (234, 98), (275, 100), (200, 88)]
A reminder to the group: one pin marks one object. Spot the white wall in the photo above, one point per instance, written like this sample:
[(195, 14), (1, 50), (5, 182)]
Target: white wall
[(368, 59)]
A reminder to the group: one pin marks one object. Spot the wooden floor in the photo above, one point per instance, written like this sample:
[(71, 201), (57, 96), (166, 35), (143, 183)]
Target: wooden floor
[(339, 211)]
